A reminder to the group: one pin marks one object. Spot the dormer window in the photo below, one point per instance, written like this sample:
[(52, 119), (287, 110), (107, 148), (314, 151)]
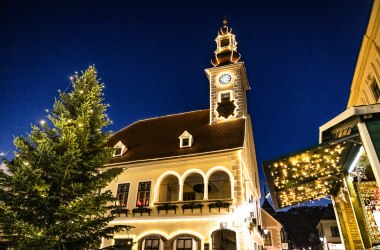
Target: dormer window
[(185, 140), (119, 149)]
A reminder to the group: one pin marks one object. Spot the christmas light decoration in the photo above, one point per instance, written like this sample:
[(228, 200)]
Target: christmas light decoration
[(360, 169), (51, 194), (369, 196), (342, 195), (309, 175)]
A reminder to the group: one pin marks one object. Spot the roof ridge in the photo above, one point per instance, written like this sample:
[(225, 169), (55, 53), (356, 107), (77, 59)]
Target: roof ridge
[(158, 117)]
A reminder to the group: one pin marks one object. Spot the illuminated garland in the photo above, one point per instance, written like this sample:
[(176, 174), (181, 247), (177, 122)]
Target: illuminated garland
[(308, 175)]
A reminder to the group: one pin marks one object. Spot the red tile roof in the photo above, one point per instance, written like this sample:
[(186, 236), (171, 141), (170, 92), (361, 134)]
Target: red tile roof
[(158, 137)]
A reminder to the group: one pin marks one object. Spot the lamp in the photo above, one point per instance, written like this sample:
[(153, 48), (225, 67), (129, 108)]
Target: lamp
[(250, 207), (266, 230)]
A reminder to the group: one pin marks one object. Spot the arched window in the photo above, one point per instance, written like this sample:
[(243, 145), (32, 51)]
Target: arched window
[(169, 189), (123, 244), (220, 185), (223, 239), (186, 242), (193, 187), (151, 242)]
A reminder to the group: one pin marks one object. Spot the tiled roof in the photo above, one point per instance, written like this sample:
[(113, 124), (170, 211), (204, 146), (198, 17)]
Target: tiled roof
[(158, 137)]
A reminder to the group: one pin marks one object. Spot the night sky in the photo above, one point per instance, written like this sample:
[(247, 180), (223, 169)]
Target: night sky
[(300, 58)]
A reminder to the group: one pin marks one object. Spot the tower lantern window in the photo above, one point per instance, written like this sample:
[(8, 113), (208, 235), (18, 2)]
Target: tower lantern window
[(225, 42)]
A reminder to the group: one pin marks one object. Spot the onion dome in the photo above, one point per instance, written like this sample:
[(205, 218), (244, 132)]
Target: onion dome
[(226, 49)]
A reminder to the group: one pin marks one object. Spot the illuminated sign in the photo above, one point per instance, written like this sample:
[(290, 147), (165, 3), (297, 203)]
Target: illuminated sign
[(284, 246), (369, 196), (333, 246)]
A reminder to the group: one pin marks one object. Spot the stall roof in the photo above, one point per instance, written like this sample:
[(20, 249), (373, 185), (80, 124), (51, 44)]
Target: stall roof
[(311, 173)]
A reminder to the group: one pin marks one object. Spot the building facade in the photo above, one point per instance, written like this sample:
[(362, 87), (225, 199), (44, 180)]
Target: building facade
[(273, 232), (190, 180), (328, 231)]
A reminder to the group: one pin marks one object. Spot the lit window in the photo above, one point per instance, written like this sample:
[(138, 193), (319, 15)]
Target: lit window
[(143, 194), (268, 238), (151, 244), (185, 244), (122, 195), (119, 149), (123, 244), (185, 140)]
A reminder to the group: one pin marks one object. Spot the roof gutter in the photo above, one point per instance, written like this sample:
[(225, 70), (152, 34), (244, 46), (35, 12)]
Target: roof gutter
[(170, 157)]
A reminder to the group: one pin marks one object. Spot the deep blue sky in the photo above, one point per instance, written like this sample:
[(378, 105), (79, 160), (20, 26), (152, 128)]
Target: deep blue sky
[(300, 58)]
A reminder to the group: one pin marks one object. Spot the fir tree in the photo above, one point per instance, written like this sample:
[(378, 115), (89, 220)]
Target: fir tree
[(51, 198)]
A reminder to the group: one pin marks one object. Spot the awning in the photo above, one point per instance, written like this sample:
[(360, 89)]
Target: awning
[(311, 173)]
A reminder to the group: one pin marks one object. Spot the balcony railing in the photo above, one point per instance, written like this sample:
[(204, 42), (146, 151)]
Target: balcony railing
[(171, 207)]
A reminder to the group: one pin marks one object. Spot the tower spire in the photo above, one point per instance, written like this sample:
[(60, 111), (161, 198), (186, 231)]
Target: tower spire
[(228, 79), (226, 49)]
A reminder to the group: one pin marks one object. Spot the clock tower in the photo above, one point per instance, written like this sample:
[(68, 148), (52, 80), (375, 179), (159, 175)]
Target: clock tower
[(228, 79)]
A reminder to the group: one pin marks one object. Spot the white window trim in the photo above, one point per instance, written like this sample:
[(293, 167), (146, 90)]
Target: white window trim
[(124, 149), (193, 242), (129, 189), (160, 245), (186, 135), (116, 237)]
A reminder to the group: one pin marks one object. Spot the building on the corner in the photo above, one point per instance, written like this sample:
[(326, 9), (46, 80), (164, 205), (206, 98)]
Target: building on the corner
[(328, 231), (345, 165), (191, 179), (274, 234)]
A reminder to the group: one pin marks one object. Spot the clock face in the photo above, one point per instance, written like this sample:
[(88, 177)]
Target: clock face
[(225, 79)]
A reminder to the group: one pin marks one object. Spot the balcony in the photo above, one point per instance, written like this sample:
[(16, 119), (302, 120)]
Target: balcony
[(163, 209), (195, 206)]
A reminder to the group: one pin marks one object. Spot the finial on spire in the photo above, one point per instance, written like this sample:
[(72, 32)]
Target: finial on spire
[(225, 21)]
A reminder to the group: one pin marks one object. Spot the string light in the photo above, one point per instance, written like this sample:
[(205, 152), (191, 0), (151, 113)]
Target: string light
[(307, 176)]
